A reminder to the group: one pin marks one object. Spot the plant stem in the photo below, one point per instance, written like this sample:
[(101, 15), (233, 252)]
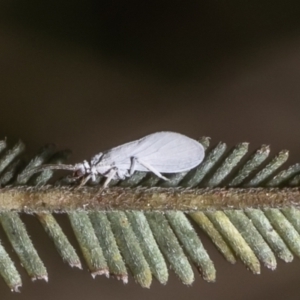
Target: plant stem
[(63, 199)]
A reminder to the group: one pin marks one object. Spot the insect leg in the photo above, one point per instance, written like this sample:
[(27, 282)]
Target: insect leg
[(85, 180), (133, 165), (111, 174), (150, 168)]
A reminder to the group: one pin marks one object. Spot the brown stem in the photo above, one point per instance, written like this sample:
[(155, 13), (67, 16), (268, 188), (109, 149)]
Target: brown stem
[(63, 199)]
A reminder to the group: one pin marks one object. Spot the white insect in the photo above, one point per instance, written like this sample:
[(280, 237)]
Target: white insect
[(160, 152)]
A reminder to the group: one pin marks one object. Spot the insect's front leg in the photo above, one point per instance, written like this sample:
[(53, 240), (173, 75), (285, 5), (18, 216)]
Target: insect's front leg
[(110, 175), (84, 180), (150, 168)]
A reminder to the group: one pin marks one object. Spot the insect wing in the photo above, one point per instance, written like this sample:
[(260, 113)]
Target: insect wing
[(119, 156), (168, 152)]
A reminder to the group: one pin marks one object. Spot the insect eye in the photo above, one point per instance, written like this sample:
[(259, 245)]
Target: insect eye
[(78, 173)]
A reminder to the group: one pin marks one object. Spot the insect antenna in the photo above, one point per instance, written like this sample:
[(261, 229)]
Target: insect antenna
[(49, 167)]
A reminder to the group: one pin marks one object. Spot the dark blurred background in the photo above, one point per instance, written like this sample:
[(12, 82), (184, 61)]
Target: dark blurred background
[(92, 75)]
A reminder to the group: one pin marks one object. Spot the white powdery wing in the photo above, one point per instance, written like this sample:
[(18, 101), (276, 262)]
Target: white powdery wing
[(120, 156), (169, 152)]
